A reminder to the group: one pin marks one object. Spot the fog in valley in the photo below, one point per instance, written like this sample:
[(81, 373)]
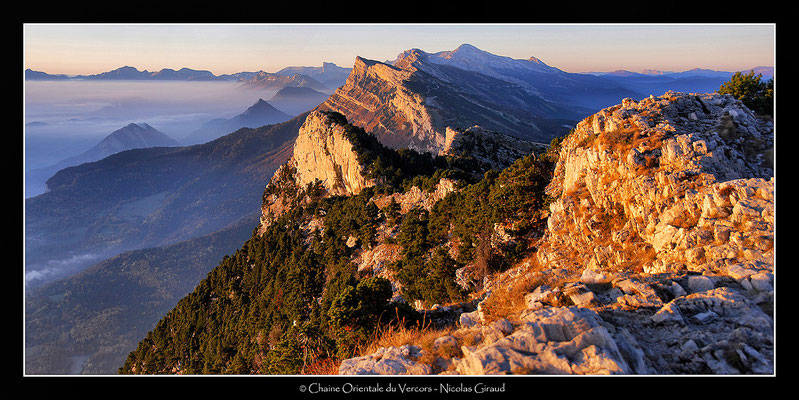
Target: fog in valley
[(66, 118)]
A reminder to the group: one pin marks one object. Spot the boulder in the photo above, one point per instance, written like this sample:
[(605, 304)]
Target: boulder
[(387, 361)]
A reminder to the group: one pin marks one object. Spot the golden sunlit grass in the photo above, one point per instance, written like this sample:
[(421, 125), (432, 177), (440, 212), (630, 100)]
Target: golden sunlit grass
[(395, 335), (324, 366), (507, 301)]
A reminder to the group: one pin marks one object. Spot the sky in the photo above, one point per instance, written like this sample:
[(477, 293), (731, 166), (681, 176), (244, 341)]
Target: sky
[(74, 49)]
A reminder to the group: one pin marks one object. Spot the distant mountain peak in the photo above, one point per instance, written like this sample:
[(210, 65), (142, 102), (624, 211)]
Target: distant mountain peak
[(260, 106), (654, 72), (140, 125), (469, 57), (131, 136), (137, 135), (535, 60)]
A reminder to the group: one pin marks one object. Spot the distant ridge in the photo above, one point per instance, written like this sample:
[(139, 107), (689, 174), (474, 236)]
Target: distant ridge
[(295, 100), (767, 72), (131, 136), (270, 81), (259, 114), (329, 75), (31, 75)]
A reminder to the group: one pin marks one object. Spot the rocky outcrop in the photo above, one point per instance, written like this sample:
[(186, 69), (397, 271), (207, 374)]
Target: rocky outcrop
[(658, 257), (678, 182), (387, 361), (322, 154), (568, 340)]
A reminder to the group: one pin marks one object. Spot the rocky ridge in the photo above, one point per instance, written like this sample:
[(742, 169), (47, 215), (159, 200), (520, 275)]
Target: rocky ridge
[(323, 152), (412, 101), (658, 257), (492, 149), (371, 91)]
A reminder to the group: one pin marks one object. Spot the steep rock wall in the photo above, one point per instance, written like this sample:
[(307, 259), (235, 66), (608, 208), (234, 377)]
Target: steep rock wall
[(376, 97), (323, 153)]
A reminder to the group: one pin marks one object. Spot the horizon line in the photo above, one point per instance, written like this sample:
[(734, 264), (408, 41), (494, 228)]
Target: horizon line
[(642, 72)]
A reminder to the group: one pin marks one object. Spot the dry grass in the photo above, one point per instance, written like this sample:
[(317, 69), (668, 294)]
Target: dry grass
[(507, 301), (324, 366), (395, 335), (421, 335)]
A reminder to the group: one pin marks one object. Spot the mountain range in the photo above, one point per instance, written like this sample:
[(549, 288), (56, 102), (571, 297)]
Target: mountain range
[(160, 197), (626, 248), (422, 93), (324, 78)]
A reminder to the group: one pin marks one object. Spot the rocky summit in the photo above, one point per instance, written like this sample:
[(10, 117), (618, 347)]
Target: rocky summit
[(657, 257)]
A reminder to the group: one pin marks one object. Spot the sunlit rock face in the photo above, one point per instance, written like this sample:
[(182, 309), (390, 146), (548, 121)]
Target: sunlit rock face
[(377, 98), (412, 101), (676, 182), (322, 152)]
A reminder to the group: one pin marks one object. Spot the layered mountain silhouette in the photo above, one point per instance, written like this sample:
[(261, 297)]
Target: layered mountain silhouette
[(296, 100), (272, 81), (122, 297), (131, 136), (152, 197), (259, 114), (330, 75)]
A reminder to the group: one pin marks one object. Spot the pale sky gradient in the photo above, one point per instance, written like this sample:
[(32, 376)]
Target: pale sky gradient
[(228, 48)]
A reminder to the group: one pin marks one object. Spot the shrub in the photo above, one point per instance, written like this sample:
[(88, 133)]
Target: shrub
[(757, 95)]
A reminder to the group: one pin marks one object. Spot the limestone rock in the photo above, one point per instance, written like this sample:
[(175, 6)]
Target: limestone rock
[(664, 191), (386, 361), (322, 151), (658, 254), (410, 102), (550, 341)]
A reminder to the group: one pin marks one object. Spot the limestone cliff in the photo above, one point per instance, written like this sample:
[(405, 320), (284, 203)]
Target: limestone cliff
[(323, 151), (413, 101), (322, 154), (377, 98)]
